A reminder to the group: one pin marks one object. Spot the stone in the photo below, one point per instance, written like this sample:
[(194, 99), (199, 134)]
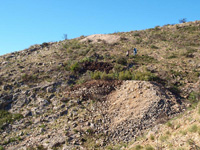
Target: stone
[(64, 112), (27, 113), (50, 89), (7, 87)]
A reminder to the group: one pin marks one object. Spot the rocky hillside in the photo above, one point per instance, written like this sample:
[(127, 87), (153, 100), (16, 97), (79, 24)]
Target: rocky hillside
[(86, 93)]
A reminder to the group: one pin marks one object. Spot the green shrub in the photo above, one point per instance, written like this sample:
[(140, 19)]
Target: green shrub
[(154, 47), (90, 131), (44, 44), (169, 124), (28, 77), (138, 40), (7, 118), (125, 75), (75, 67), (136, 34), (149, 147), (96, 75), (144, 59), (144, 76), (164, 138), (106, 76), (1, 147), (194, 98), (193, 128), (175, 89), (122, 60), (86, 59), (138, 147), (118, 68), (199, 110), (152, 137)]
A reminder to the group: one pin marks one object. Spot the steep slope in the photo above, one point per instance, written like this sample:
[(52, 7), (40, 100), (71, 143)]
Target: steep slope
[(180, 133), (72, 94)]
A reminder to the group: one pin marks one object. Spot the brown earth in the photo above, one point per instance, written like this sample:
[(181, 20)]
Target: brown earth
[(95, 89), (99, 66)]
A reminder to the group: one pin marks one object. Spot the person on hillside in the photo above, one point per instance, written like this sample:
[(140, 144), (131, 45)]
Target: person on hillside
[(127, 53), (134, 51)]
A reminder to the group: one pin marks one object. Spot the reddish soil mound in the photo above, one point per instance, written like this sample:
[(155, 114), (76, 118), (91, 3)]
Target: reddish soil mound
[(96, 89), (100, 66)]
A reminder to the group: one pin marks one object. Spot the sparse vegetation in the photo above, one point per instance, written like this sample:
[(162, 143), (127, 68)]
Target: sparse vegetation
[(154, 47), (138, 147), (51, 72), (75, 68), (149, 147), (121, 60), (1, 148), (193, 128), (7, 118), (194, 98)]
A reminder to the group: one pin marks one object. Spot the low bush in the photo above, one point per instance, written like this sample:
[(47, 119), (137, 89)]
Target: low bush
[(149, 147), (75, 67), (138, 147), (125, 75), (194, 98), (152, 137), (144, 76), (86, 59), (106, 76), (193, 128), (1, 147), (122, 60), (7, 118), (144, 59), (103, 75), (154, 47), (28, 77), (118, 68), (96, 75)]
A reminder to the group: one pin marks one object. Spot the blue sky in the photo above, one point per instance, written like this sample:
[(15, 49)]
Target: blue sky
[(27, 22)]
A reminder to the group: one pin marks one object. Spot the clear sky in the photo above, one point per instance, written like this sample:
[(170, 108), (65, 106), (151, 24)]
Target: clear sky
[(27, 22)]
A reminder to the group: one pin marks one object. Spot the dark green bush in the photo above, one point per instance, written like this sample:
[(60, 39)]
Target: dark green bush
[(44, 44), (144, 59), (118, 68), (1, 147), (122, 60), (138, 147), (194, 98), (75, 67), (105, 76), (96, 75), (29, 77), (144, 76), (125, 75), (136, 34), (154, 47), (102, 75), (7, 118), (86, 59)]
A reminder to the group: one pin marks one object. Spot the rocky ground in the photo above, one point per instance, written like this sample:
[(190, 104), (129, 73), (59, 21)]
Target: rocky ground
[(97, 109), (85, 93)]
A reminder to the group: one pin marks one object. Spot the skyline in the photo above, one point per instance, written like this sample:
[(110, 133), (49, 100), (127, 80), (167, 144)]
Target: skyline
[(26, 23)]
